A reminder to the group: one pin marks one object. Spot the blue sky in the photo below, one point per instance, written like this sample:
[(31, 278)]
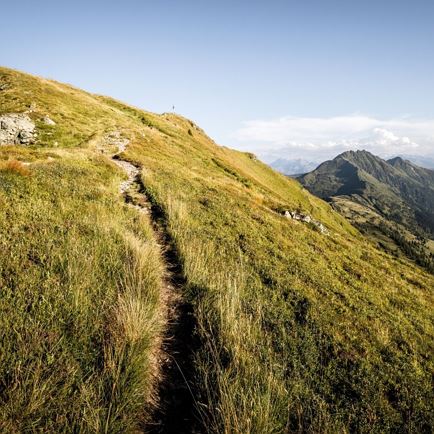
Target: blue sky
[(303, 78)]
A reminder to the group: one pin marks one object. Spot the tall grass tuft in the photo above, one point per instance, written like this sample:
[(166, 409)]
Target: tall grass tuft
[(80, 279), (239, 397)]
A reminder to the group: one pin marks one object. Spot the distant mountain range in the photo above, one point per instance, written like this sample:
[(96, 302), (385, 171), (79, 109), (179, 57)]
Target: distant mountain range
[(391, 200), (300, 166), (293, 167)]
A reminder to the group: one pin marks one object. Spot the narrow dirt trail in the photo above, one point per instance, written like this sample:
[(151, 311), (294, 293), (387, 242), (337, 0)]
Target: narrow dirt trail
[(176, 410)]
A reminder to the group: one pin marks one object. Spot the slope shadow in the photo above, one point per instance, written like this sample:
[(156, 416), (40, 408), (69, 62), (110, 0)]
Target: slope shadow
[(178, 395)]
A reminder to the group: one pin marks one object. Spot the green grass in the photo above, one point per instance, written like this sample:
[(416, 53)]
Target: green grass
[(80, 278), (308, 335), (299, 331), (80, 274), (388, 235)]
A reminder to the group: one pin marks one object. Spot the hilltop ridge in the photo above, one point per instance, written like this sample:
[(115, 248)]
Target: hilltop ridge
[(276, 325)]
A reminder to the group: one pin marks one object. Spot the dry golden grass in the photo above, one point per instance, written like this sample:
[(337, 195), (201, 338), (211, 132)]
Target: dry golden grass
[(300, 332), (15, 167)]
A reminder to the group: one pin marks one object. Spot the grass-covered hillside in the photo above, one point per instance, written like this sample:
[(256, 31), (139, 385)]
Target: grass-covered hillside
[(296, 329)]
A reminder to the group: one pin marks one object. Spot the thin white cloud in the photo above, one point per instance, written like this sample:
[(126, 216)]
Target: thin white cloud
[(325, 137)]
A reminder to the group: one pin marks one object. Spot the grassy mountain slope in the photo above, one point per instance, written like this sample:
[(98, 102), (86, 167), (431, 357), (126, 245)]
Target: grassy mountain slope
[(388, 200), (80, 274), (298, 331)]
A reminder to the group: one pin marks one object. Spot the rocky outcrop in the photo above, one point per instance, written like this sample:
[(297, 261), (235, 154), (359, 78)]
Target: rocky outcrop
[(306, 218), (16, 129)]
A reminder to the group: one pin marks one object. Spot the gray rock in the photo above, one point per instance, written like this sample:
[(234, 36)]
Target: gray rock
[(48, 121), (115, 139), (322, 228), (306, 218), (25, 137), (16, 129)]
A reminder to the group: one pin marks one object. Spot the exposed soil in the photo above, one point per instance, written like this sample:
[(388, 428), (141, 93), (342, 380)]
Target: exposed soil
[(176, 412)]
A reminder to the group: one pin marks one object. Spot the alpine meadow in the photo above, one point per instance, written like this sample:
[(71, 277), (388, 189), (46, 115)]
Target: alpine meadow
[(153, 281)]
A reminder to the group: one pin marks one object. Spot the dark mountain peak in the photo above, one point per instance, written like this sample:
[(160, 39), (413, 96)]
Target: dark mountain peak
[(406, 165), (359, 155), (346, 154), (396, 188), (424, 161), (369, 163), (354, 152), (397, 161), (419, 174)]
